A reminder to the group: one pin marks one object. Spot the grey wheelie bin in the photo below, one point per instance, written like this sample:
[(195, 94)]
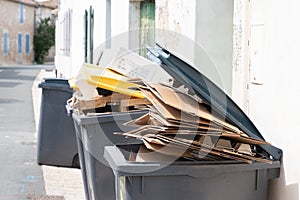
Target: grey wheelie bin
[(192, 180), (214, 180), (93, 133), (56, 134)]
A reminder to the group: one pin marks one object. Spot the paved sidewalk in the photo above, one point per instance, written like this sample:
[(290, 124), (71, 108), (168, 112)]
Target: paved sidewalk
[(59, 181)]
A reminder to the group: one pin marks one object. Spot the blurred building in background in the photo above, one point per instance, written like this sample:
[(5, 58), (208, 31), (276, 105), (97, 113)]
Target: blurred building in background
[(19, 18)]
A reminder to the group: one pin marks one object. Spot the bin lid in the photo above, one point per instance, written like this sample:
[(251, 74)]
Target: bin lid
[(210, 93), (56, 84)]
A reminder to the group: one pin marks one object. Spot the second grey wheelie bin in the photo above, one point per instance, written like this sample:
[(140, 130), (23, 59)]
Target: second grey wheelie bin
[(93, 133), (56, 134)]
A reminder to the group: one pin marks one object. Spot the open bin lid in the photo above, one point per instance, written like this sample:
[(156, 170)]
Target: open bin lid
[(211, 94)]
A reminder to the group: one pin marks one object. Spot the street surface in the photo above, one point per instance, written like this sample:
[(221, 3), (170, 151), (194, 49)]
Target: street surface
[(20, 176)]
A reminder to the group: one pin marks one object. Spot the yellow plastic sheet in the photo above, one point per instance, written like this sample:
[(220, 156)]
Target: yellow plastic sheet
[(107, 79), (115, 85)]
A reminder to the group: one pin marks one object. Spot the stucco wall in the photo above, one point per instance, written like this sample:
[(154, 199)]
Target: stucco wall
[(214, 33), (241, 53), (201, 32), (175, 23), (10, 23), (272, 103)]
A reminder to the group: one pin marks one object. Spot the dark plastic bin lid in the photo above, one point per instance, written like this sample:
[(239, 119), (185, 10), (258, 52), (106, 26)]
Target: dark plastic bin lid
[(210, 93), (56, 84)]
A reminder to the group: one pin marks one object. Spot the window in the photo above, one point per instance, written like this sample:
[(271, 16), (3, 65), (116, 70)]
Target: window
[(19, 43), (27, 43), (67, 27), (108, 24), (5, 43), (21, 13)]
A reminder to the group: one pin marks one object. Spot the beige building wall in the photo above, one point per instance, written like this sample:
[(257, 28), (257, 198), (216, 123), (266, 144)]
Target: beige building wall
[(10, 23)]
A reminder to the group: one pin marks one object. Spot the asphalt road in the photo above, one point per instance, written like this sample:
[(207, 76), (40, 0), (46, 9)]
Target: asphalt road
[(20, 176)]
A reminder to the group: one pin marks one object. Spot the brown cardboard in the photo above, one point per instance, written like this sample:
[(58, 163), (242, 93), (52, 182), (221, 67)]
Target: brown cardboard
[(155, 119), (147, 155), (141, 121), (169, 110), (245, 149), (168, 149), (243, 139), (179, 125), (186, 104)]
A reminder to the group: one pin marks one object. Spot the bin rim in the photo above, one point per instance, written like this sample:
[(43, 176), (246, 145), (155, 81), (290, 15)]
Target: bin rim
[(123, 167), (82, 119), (56, 84)]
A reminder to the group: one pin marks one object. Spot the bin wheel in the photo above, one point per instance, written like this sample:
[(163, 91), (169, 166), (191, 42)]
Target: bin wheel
[(76, 162)]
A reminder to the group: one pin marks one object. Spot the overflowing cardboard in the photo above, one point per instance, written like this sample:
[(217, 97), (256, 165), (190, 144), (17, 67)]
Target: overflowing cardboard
[(179, 125)]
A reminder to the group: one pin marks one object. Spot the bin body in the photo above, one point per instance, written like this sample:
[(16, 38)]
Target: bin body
[(81, 159), (193, 180), (248, 185), (56, 134), (93, 134)]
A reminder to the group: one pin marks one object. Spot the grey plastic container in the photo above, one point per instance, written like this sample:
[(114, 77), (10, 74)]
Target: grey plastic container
[(81, 159), (56, 134), (93, 134), (188, 180)]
